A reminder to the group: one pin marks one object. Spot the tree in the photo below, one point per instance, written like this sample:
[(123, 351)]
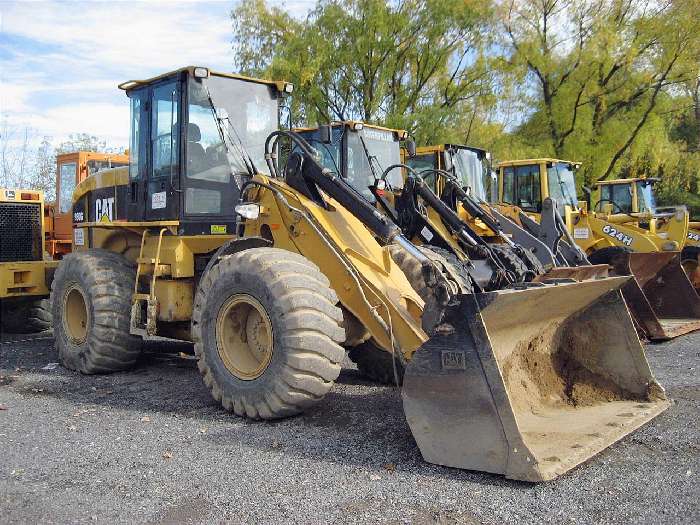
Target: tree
[(601, 70), (82, 142), (44, 176), (15, 154), (413, 64)]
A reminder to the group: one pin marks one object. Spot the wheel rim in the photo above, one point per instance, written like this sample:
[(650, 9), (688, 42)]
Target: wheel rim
[(75, 315), (244, 336), (692, 270)]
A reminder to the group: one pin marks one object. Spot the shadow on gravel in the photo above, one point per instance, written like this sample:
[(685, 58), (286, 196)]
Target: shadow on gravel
[(359, 423)]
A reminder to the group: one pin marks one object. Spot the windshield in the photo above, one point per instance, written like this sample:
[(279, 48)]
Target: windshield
[(472, 172), (247, 113), (383, 149), (96, 165), (646, 203), (562, 184), (68, 175), (328, 155)]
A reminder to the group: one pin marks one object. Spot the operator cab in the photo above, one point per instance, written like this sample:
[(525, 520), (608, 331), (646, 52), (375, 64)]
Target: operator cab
[(628, 196), (471, 166), (526, 183), (358, 153), (196, 135)]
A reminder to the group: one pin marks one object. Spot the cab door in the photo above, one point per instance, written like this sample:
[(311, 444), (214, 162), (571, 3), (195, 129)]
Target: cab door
[(162, 201), (138, 155), (154, 162)]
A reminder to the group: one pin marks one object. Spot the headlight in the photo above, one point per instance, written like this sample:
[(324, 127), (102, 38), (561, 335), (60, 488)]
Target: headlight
[(201, 72), (248, 210)]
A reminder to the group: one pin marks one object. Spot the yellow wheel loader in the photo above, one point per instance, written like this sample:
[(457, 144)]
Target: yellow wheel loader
[(540, 195), (272, 275), (463, 178), (634, 199), (25, 275)]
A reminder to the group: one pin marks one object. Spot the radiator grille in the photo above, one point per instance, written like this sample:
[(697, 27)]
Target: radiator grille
[(20, 232)]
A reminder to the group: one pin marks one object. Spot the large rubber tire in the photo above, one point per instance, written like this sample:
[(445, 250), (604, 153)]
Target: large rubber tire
[(25, 315), (512, 262), (413, 270), (306, 331), (91, 305), (376, 364)]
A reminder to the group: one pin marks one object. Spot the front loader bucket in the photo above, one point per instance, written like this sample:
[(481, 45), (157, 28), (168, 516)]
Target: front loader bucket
[(661, 298), (530, 383)]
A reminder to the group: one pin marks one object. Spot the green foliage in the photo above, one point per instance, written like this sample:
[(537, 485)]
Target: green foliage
[(614, 84), (82, 142), (407, 64)]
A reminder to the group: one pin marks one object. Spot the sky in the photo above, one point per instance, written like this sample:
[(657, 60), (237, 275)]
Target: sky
[(60, 62)]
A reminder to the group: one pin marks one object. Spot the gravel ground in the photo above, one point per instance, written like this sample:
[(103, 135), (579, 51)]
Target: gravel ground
[(151, 446)]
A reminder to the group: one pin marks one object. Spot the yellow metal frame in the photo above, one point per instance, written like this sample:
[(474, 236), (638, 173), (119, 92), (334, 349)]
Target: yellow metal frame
[(25, 278), (476, 224), (595, 230)]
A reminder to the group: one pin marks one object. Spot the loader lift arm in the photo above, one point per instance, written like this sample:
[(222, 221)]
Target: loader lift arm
[(411, 219)]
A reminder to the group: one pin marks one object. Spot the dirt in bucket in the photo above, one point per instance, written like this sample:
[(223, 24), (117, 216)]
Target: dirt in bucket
[(548, 372)]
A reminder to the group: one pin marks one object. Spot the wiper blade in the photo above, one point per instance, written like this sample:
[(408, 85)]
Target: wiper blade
[(237, 144), (370, 158)]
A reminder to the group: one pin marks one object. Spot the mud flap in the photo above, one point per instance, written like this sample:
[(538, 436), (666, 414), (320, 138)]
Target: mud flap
[(662, 299), (530, 383)]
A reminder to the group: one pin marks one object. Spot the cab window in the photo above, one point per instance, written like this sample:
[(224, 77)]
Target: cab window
[(509, 185), (619, 194), (521, 186), (139, 134), (424, 162), (328, 155), (164, 143), (67, 175), (528, 187)]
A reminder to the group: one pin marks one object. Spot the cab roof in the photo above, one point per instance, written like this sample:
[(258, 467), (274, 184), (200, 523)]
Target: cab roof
[(401, 133), (447, 145), (524, 162), (624, 181), (127, 86)]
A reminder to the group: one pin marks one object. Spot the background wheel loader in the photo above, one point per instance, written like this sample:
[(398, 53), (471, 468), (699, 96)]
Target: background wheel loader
[(369, 156), (690, 255), (270, 276), (71, 169), (635, 199), (34, 235), (464, 179), (540, 195), (25, 275)]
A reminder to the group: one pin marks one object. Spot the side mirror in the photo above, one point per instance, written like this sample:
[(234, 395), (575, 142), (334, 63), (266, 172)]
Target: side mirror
[(411, 147), (324, 134)]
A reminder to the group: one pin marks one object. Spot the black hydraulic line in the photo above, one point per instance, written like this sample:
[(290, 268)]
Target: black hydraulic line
[(303, 167), (416, 186)]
